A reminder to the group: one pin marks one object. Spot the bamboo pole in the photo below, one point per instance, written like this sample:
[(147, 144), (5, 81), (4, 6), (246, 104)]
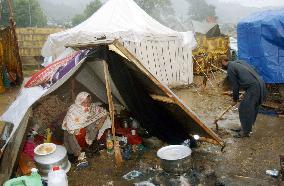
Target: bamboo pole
[(117, 152)]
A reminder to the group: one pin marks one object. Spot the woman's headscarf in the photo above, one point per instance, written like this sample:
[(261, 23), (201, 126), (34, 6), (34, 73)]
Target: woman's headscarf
[(79, 116), (81, 97)]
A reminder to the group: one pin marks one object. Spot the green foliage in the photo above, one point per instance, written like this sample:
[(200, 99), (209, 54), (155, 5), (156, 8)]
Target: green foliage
[(77, 19), (26, 13), (199, 10), (158, 9), (91, 8)]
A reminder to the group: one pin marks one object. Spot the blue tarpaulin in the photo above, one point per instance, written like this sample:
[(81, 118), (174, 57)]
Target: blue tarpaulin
[(261, 44)]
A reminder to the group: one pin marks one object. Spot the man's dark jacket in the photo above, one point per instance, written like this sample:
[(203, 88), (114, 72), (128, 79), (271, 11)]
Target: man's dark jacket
[(241, 76)]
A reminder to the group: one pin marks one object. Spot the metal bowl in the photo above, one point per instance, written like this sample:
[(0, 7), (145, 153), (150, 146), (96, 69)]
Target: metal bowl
[(175, 159), (44, 163)]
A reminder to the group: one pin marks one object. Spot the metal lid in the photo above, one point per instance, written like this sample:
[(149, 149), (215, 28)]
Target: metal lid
[(174, 152)]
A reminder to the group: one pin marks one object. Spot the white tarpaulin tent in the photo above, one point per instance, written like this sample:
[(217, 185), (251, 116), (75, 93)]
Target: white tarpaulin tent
[(163, 51)]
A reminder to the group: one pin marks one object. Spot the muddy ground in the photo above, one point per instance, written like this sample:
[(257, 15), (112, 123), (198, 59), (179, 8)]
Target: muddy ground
[(7, 97), (243, 161)]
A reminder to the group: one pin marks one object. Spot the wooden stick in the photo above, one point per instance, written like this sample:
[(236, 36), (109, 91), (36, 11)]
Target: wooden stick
[(281, 115), (162, 98), (224, 71), (221, 115), (208, 140), (225, 111), (117, 152)]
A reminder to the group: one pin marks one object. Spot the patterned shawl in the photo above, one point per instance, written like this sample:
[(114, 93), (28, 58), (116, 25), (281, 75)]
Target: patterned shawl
[(79, 116)]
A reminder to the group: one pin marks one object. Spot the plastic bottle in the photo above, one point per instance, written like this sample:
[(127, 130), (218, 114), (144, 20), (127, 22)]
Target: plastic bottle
[(33, 180), (57, 177), (48, 136), (109, 143)]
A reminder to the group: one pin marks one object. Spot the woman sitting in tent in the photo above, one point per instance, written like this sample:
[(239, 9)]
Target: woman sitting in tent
[(83, 123)]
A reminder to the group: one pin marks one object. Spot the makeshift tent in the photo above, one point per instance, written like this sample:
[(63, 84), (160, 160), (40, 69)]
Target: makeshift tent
[(154, 105), (210, 45), (167, 54), (261, 43)]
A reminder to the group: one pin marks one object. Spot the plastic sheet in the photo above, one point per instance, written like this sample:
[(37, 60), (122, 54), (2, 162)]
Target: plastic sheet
[(261, 44)]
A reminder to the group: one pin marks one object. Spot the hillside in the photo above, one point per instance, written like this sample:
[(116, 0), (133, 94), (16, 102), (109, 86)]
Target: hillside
[(60, 11)]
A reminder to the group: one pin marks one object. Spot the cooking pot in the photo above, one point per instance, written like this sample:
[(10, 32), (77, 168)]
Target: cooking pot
[(175, 159), (44, 163)]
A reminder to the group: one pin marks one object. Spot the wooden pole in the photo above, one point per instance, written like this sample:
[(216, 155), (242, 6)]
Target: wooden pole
[(16, 46), (117, 152)]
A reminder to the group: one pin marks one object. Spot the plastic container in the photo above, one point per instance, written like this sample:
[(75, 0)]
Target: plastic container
[(57, 177), (109, 143), (33, 180)]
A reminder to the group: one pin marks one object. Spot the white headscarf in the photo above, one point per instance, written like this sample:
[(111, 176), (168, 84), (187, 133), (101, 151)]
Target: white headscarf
[(79, 116)]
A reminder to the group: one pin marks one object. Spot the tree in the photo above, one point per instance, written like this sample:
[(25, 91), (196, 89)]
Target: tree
[(26, 13), (199, 10), (160, 10), (91, 8)]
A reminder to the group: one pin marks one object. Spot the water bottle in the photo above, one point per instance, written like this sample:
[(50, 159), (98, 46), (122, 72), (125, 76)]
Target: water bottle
[(35, 178), (57, 177)]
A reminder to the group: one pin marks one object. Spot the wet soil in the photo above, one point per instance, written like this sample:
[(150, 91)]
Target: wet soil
[(243, 161)]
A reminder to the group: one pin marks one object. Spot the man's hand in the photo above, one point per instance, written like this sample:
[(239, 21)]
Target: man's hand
[(234, 103), (229, 93)]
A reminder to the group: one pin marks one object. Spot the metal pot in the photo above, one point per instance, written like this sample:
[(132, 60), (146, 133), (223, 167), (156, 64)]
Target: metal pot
[(175, 159), (44, 163)]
